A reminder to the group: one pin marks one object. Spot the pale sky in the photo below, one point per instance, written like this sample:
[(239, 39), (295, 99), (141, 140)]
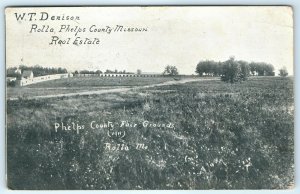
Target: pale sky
[(180, 36)]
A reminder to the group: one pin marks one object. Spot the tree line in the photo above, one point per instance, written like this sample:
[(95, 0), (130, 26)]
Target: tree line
[(213, 68), (233, 70), (99, 72), (41, 71), (36, 70)]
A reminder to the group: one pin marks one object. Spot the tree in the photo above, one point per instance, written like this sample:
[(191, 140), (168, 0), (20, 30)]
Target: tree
[(253, 70), (261, 69), (245, 70), (170, 70), (269, 70), (139, 72), (210, 68), (235, 71), (41, 71), (202, 67), (231, 71), (109, 71), (283, 72)]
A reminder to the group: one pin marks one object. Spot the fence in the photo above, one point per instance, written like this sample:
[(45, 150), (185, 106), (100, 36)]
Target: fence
[(24, 82), (117, 75)]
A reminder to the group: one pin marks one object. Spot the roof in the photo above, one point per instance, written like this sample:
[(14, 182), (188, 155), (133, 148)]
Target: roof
[(27, 73)]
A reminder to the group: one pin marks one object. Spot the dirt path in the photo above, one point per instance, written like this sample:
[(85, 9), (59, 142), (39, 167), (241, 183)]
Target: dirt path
[(116, 90)]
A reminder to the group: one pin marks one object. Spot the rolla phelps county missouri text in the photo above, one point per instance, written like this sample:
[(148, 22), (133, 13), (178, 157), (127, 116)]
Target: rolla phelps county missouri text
[(70, 34)]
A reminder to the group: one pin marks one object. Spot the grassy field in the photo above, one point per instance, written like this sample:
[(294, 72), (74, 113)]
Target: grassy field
[(26, 92), (101, 81), (81, 84), (225, 136)]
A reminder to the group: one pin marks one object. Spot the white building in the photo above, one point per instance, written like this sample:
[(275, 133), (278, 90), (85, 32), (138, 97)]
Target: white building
[(27, 74)]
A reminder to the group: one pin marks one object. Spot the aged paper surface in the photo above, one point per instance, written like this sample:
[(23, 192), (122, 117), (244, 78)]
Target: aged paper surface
[(171, 97)]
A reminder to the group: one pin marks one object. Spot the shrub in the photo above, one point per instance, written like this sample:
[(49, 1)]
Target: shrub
[(233, 71), (283, 72), (170, 70)]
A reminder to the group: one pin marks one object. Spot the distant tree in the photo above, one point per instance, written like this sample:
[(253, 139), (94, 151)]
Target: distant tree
[(139, 72), (89, 72), (40, 71), (109, 71), (11, 83), (212, 68), (269, 70), (252, 66), (11, 72), (170, 70), (261, 69), (283, 72), (245, 70), (209, 68), (84, 72), (204, 67), (232, 71)]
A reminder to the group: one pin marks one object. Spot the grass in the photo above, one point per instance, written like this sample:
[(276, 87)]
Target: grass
[(25, 92), (101, 81), (80, 84), (226, 136)]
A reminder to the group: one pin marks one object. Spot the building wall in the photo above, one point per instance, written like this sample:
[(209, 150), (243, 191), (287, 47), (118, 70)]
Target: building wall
[(29, 81), (25, 82), (117, 75), (10, 79)]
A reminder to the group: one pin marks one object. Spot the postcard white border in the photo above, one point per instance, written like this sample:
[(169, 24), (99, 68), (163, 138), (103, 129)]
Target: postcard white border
[(296, 7)]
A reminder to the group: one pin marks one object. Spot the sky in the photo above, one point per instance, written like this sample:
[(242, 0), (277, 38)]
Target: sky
[(179, 36)]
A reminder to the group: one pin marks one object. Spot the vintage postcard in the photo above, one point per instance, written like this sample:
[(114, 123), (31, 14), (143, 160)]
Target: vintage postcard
[(149, 97)]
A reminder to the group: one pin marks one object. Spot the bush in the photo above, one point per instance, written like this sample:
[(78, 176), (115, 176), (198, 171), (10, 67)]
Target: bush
[(283, 72), (234, 71), (170, 70), (245, 70)]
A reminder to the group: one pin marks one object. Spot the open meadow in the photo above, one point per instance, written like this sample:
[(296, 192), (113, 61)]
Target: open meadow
[(195, 135), (97, 81), (80, 84)]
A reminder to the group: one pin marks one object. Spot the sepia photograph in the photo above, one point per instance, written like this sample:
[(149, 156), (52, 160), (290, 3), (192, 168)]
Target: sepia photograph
[(149, 98)]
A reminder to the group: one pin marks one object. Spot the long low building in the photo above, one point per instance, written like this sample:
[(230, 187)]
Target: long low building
[(28, 78), (32, 80), (117, 75)]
